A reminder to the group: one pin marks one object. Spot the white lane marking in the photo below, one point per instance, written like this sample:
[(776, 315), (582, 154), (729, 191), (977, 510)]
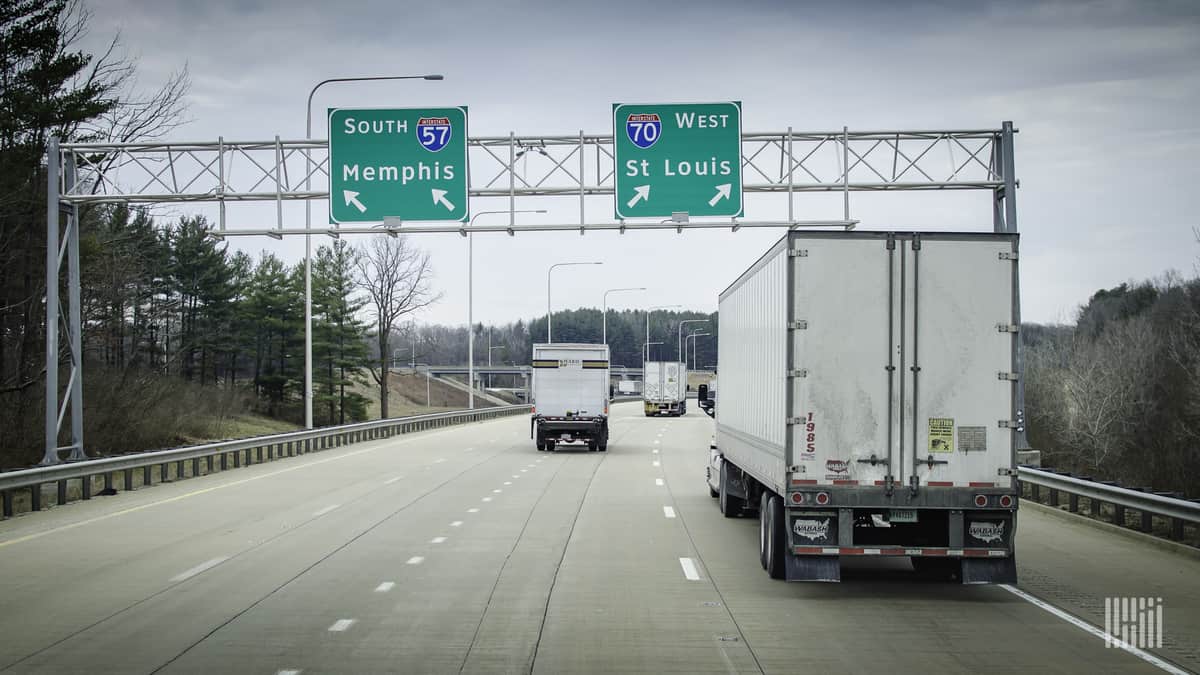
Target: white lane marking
[(668, 512), (439, 460), (532, 466), (509, 482), (658, 481), (689, 569), (325, 510), (202, 567), (341, 625), (392, 480), (492, 441), (487, 499), (497, 491), (457, 523), (437, 540), (655, 451), (385, 587), (472, 510), (289, 672), (657, 463), (415, 560), (525, 470), (468, 449), (516, 475), (1080, 623), (657, 442)]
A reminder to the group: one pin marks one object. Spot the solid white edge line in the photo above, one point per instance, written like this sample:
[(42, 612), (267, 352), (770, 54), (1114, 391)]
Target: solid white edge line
[(341, 625), (1087, 627), (415, 560), (325, 510), (668, 512), (689, 569), (202, 567), (385, 587)]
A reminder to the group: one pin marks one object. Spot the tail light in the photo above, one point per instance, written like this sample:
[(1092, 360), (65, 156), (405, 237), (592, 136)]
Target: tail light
[(981, 500), (797, 498), (822, 498), (533, 409), (1006, 501)]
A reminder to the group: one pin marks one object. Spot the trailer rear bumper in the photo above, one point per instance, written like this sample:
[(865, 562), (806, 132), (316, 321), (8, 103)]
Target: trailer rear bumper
[(569, 428)]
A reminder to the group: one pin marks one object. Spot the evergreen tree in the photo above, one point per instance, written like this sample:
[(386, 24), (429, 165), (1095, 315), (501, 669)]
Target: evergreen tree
[(339, 337)]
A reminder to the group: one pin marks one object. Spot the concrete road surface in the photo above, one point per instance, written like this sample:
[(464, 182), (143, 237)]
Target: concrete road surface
[(466, 550)]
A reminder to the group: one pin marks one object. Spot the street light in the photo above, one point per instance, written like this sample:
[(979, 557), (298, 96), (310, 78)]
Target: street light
[(646, 347), (679, 353), (471, 300), (692, 337), (549, 339), (308, 171), (604, 321)]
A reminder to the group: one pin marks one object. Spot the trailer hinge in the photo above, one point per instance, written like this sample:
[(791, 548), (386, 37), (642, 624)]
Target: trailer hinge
[(1006, 471), (1009, 424), (916, 242), (1008, 255), (798, 325), (1011, 377), (800, 372), (795, 420), (1008, 328), (798, 253)]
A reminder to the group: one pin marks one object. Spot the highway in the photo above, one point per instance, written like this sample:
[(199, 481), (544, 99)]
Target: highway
[(466, 550)]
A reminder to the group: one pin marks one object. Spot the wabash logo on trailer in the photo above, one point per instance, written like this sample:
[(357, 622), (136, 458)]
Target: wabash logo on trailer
[(433, 133), (643, 129), (812, 529)]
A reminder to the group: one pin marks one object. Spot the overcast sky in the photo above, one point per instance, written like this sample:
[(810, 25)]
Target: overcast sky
[(1106, 96)]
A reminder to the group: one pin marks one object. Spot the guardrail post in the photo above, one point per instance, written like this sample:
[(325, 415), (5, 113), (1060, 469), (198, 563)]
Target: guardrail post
[(1176, 528), (7, 498), (1053, 497), (1147, 521), (146, 482), (195, 467), (108, 482), (179, 470), (1119, 515), (1035, 491), (85, 488), (128, 479), (62, 492), (35, 497), (237, 459)]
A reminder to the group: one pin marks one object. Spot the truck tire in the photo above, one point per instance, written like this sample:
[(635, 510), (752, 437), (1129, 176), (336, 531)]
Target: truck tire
[(763, 529), (731, 506), (549, 446), (593, 445), (776, 539)]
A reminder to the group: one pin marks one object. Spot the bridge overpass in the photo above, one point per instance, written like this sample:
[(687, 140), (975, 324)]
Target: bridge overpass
[(462, 549)]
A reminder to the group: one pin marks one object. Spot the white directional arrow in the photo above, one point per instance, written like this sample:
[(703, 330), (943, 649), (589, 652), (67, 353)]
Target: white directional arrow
[(352, 200), (722, 193), (640, 193), (439, 197)]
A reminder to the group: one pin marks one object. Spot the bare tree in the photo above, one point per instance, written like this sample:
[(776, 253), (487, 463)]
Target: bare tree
[(396, 276)]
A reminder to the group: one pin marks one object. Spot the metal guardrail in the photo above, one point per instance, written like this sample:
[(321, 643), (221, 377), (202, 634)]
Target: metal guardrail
[(252, 449), (1149, 505)]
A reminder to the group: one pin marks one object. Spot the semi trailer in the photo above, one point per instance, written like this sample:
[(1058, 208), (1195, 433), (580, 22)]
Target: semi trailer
[(664, 388), (868, 402), (570, 396)]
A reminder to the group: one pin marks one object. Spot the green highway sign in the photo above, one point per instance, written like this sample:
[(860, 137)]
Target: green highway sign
[(677, 157), (406, 163)]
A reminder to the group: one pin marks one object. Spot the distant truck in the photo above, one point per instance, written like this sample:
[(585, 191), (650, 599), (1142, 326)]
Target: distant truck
[(570, 395), (664, 388), (629, 388), (868, 403)]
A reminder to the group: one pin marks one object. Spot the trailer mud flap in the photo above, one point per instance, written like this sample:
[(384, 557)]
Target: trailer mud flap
[(989, 570), (813, 567)]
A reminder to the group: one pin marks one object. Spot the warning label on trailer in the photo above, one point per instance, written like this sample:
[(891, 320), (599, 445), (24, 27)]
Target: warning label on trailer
[(972, 439), (941, 434)]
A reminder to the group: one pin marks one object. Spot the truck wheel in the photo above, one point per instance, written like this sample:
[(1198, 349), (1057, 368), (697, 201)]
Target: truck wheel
[(549, 446), (731, 506), (776, 539), (713, 493), (593, 446), (763, 529)]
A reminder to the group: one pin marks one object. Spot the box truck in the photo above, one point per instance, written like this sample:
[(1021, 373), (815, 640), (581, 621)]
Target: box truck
[(868, 402), (664, 388), (629, 387), (570, 395)]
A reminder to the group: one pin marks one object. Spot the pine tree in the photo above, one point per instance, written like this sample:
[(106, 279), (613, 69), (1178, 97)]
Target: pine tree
[(339, 337)]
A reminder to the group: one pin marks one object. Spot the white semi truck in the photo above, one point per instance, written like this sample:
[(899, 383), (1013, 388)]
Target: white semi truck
[(868, 403), (664, 388), (570, 395)]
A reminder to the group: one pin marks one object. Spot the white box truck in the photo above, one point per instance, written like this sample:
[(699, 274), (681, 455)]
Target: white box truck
[(570, 395), (628, 387), (868, 402), (664, 388)]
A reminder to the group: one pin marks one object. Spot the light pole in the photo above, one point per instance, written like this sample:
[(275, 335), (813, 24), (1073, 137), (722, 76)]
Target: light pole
[(471, 301), (549, 338), (679, 354), (692, 337), (646, 348), (604, 321), (308, 413)]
